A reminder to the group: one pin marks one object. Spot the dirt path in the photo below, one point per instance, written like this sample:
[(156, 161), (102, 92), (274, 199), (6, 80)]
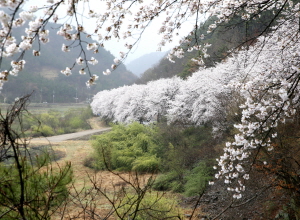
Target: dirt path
[(97, 125), (81, 135)]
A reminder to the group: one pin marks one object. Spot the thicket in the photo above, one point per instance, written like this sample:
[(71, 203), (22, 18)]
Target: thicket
[(32, 193), (127, 148), (182, 155), (187, 153), (55, 122)]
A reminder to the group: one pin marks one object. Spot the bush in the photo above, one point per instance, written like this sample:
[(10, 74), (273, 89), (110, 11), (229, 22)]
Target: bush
[(102, 152), (55, 123), (190, 182), (89, 162), (42, 130), (146, 164), (60, 131), (76, 122), (77, 119), (51, 119), (198, 178), (183, 146), (37, 194), (169, 182), (127, 148), (46, 130)]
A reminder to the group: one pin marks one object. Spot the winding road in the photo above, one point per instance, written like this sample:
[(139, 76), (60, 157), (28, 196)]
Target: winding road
[(81, 135)]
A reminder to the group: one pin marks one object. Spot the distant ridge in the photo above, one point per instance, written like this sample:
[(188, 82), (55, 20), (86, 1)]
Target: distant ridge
[(141, 64)]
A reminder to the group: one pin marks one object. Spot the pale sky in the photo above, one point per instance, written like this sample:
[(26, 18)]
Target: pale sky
[(150, 38), (149, 41)]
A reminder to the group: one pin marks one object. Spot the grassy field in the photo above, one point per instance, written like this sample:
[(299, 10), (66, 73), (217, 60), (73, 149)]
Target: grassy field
[(38, 108)]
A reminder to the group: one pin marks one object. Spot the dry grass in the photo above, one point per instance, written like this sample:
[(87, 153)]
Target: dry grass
[(96, 123), (76, 152)]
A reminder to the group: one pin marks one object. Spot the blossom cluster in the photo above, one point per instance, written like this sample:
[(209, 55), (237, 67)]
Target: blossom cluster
[(194, 100), (136, 102), (271, 96)]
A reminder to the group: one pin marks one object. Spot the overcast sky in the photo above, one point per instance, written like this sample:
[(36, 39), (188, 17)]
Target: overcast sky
[(150, 38), (148, 43)]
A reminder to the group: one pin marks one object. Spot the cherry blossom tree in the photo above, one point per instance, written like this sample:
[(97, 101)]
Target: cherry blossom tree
[(272, 96), (197, 101), (130, 106), (137, 102)]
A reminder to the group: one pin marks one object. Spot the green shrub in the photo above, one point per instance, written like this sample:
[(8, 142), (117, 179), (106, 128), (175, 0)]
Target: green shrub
[(102, 152), (151, 206), (51, 119), (76, 122), (44, 191), (42, 130), (89, 162), (55, 123), (60, 131), (46, 130), (198, 178), (127, 148), (190, 182), (170, 181), (68, 129), (146, 164), (183, 146), (76, 119)]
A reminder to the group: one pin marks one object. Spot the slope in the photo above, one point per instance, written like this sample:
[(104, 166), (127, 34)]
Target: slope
[(141, 64), (42, 74), (235, 34)]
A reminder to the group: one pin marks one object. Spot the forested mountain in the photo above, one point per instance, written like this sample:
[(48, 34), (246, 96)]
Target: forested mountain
[(43, 74), (221, 40), (141, 64)]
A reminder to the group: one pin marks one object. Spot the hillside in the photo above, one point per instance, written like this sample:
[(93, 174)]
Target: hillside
[(42, 74), (225, 37), (141, 64)]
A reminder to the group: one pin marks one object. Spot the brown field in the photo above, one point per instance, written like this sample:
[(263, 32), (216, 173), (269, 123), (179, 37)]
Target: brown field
[(76, 152)]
